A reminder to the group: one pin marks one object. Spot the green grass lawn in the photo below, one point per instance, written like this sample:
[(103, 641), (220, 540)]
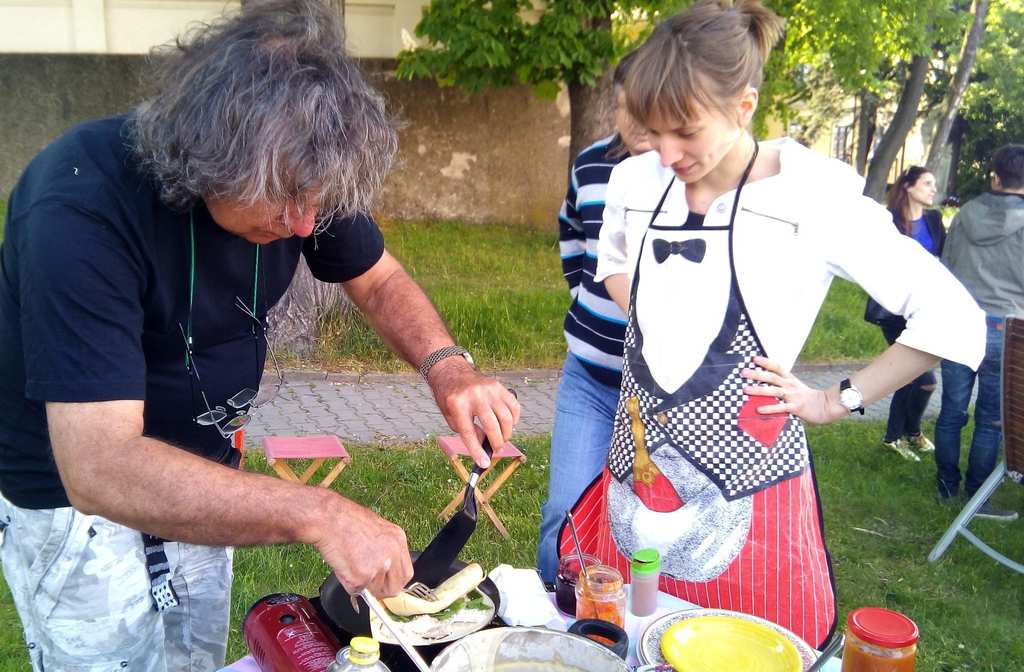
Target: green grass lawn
[(840, 331), (500, 290), (881, 521), (502, 294)]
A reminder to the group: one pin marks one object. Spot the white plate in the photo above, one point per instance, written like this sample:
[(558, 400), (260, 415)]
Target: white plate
[(648, 649), (413, 632)]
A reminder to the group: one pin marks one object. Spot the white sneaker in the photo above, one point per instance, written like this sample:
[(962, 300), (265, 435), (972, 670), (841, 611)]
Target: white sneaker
[(921, 443), (901, 449)]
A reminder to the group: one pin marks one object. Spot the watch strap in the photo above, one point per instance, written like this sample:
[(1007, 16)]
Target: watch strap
[(441, 353)]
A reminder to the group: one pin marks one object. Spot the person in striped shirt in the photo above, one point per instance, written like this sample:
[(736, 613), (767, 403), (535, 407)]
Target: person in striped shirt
[(594, 328)]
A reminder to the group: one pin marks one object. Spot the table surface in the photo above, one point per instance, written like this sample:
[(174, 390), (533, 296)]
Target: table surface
[(634, 628)]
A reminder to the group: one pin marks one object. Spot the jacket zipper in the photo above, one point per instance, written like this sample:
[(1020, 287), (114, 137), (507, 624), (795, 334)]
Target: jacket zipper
[(795, 225), (629, 210)]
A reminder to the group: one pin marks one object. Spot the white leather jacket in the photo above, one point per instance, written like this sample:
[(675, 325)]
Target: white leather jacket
[(793, 233)]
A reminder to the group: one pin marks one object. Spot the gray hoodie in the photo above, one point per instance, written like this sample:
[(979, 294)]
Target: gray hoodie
[(985, 251)]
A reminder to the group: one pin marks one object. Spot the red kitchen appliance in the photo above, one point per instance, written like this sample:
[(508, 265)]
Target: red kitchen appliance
[(284, 633)]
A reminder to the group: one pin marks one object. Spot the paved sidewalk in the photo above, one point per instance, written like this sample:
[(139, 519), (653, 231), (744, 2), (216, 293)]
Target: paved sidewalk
[(394, 408)]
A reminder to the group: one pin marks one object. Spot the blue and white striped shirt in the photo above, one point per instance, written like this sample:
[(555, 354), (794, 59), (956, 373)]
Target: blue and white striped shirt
[(594, 326)]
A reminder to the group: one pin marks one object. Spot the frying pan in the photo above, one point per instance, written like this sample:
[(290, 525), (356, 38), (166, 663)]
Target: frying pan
[(337, 605)]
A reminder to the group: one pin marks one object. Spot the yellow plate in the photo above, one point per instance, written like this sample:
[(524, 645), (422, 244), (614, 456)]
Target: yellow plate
[(727, 644)]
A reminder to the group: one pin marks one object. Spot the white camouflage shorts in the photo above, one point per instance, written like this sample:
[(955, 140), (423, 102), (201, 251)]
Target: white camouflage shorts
[(82, 590)]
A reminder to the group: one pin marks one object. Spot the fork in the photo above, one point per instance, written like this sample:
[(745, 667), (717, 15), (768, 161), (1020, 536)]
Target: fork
[(421, 590), (396, 632)]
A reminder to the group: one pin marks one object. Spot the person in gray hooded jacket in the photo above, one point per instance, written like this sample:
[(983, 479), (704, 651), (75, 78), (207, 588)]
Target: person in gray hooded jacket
[(984, 250)]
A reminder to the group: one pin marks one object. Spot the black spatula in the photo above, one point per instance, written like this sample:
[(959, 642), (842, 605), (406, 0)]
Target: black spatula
[(433, 565)]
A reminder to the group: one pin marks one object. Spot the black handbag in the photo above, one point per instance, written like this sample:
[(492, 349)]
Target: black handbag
[(876, 314)]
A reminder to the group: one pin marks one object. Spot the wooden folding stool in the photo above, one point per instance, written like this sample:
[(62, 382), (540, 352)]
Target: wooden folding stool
[(455, 449), (282, 450)]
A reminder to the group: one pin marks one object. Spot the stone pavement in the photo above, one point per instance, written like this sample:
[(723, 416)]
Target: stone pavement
[(394, 408)]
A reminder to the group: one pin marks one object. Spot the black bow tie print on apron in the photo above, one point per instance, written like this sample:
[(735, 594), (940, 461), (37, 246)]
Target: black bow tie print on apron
[(706, 419), (691, 250)]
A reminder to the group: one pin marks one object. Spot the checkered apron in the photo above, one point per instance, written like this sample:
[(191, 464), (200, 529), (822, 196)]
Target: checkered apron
[(726, 494)]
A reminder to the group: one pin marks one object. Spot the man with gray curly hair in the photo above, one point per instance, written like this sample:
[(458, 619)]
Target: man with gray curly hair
[(146, 248)]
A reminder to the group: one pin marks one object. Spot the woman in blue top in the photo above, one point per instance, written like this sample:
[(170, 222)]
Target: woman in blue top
[(909, 199)]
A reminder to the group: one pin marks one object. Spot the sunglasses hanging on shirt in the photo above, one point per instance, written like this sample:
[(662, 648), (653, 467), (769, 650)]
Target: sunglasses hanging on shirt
[(242, 403)]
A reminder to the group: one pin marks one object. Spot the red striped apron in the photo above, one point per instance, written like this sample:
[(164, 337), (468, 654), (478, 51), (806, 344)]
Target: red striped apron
[(728, 496)]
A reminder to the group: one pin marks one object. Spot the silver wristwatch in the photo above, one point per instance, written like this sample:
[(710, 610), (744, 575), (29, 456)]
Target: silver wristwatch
[(444, 353), (850, 397)]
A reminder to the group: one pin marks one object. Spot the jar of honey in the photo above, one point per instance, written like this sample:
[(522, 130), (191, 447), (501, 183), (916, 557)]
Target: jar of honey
[(601, 595), (879, 640)]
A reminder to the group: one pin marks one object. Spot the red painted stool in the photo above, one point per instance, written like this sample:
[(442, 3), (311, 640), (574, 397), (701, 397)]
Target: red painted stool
[(455, 449), (281, 450)]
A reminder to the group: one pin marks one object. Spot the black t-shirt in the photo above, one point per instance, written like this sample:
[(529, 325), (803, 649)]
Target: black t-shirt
[(94, 283)]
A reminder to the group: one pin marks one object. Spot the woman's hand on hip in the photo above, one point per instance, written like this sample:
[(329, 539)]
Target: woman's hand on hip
[(785, 393)]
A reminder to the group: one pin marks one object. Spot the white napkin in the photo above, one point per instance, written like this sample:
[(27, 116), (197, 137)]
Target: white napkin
[(523, 598)]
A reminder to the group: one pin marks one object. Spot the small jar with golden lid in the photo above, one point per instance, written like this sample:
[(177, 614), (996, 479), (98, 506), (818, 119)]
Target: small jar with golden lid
[(880, 640)]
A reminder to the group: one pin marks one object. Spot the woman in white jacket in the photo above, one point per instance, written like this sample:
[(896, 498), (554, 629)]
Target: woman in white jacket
[(722, 249)]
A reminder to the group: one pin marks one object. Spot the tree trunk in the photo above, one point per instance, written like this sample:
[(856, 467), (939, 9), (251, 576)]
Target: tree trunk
[(591, 114), (591, 108), (961, 79), (956, 141), (894, 136), (295, 320), (867, 123)]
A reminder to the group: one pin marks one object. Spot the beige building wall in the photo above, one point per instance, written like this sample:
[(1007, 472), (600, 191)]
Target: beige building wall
[(497, 156), (839, 139), (376, 28)]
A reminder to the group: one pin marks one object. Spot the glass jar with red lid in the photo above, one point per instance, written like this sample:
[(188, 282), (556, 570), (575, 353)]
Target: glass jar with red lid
[(879, 640)]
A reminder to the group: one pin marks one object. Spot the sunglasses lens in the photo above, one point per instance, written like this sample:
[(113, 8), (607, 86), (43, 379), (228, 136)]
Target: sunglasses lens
[(238, 422), (211, 417), (267, 392), (242, 398)]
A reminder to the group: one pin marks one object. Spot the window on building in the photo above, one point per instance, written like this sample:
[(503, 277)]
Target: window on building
[(841, 139)]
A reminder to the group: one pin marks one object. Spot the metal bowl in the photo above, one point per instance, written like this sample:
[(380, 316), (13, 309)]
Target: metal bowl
[(526, 650)]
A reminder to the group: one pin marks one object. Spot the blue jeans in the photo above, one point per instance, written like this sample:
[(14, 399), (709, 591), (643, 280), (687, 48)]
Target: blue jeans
[(957, 384), (584, 415), (910, 401)]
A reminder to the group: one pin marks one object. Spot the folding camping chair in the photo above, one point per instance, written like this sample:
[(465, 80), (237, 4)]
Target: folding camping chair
[(284, 451), (456, 450), (1013, 441)]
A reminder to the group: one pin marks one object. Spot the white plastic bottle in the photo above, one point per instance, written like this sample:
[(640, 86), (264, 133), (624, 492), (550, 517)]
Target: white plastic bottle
[(362, 655)]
